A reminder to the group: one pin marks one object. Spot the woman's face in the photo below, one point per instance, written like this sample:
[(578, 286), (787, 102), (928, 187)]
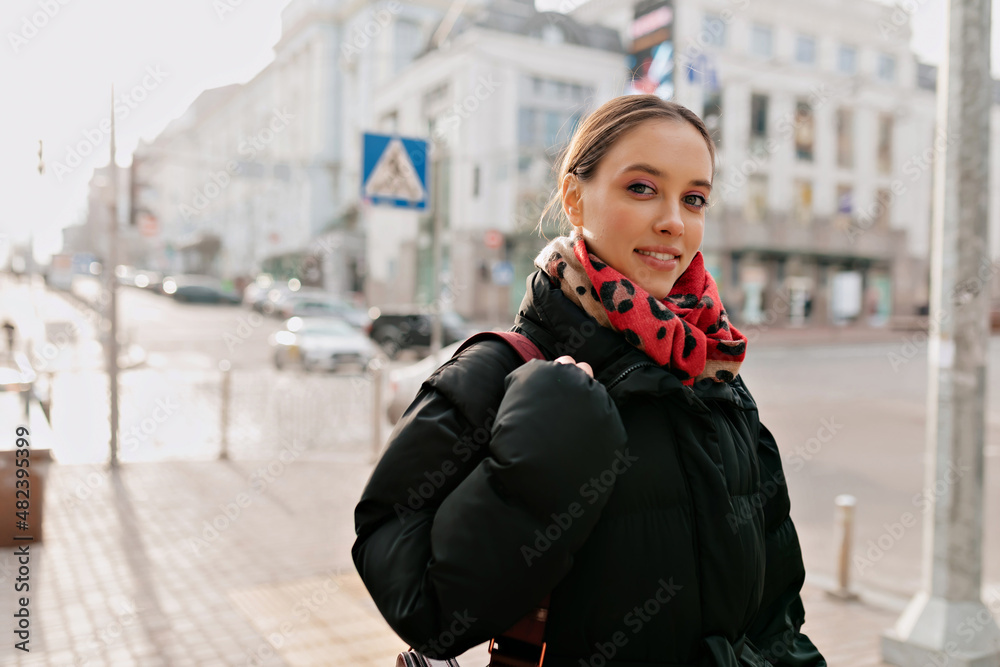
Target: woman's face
[(647, 195)]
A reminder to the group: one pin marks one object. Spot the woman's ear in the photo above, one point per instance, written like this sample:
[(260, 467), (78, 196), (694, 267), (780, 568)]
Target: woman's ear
[(571, 195)]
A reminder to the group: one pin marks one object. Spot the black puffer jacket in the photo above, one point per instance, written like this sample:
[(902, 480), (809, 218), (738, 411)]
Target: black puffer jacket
[(656, 514)]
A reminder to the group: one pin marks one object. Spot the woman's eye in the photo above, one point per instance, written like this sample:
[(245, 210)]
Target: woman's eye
[(640, 185), (695, 200)]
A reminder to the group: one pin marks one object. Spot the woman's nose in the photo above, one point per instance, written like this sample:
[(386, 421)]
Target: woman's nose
[(670, 221)]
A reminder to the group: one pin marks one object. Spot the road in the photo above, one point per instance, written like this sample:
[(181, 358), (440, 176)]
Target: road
[(852, 420), (170, 406), (198, 336), (849, 419)]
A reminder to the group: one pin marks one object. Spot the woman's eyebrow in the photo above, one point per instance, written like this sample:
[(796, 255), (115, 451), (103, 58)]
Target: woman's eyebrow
[(642, 166), (653, 171)]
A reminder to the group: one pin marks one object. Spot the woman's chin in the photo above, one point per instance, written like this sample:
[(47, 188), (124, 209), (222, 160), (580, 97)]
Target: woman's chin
[(658, 289)]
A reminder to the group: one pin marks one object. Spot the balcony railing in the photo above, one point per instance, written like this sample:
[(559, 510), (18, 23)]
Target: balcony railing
[(832, 236)]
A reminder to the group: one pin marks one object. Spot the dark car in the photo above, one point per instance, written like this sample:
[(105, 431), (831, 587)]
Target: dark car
[(198, 289), (397, 330)]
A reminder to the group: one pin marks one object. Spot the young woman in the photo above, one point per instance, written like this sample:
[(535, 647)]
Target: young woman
[(630, 477)]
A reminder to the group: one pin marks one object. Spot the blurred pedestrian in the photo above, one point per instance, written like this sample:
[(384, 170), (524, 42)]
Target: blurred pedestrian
[(628, 476), (10, 331)]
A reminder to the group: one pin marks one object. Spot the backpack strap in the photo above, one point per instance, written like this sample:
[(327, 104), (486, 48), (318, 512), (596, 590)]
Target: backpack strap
[(523, 645), (521, 343)]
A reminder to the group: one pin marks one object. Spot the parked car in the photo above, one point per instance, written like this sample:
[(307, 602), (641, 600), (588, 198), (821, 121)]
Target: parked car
[(263, 292), (198, 289), (125, 274), (405, 382), (318, 343), (398, 330), (322, 304), (151, 280)]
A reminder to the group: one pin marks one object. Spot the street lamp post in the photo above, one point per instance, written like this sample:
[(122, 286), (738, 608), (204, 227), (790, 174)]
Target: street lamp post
[(112, 286), (947, 623)]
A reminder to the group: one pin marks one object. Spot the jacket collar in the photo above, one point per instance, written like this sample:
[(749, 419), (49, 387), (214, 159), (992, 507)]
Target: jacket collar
[(559, 327)]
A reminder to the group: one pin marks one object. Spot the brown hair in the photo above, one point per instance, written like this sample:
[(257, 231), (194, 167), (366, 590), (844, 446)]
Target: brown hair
[(595, 136)]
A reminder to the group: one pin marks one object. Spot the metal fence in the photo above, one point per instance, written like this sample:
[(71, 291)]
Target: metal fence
[(240, 414), (324, 414)]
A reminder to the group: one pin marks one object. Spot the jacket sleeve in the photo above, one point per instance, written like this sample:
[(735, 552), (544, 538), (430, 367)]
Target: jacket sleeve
[(472, 516), (775, 632)]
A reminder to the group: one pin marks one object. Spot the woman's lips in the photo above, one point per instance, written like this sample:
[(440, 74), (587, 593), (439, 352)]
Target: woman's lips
[(658, 264)]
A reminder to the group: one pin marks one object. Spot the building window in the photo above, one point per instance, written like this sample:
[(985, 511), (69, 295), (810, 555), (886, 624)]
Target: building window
[(804, 130), (758, 123), (761, 40), (713, 30), (886, 68), (885, 143), (882, 200), (845, 138), (572, 124), (845, 206), (526, 127), (553, 122), (711, 114), (539, 128), (552, 34), (756, 205), (805, 50), (758, 116), (803, 202), (407, 43), (847, 60)]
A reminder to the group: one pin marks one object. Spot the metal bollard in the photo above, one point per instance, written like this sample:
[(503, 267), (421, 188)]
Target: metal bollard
[(225, 367), (843, 531), (376, 369)]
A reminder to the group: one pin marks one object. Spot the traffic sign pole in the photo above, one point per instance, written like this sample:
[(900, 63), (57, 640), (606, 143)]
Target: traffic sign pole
[(436, 253)]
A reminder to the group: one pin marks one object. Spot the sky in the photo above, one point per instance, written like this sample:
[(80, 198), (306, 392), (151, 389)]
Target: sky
[(59, 59)]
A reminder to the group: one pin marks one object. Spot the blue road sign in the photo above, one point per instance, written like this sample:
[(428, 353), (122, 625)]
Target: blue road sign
[(394, 170), (503, 273)]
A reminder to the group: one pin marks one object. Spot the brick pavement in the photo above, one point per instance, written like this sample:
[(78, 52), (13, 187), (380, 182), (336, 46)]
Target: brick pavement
[(240, 563)]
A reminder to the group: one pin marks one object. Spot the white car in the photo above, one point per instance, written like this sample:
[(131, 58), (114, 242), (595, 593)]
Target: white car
[(321, 343), (404, 383), (321, 304)]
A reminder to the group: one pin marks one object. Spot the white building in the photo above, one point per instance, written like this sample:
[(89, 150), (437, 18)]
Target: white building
[(496, 98), (93, 234), (825, 124), (264, 175)]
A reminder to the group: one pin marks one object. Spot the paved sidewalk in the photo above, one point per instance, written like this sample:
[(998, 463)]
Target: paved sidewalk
[(240, 563)]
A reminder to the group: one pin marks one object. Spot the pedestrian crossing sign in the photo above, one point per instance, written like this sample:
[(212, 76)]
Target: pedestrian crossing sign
[(394, 170)]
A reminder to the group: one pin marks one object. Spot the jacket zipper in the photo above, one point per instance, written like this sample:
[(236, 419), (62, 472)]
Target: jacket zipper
[(621, 376)]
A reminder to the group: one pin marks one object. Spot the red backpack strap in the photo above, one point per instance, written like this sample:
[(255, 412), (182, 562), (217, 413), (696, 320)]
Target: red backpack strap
[(521, 343)]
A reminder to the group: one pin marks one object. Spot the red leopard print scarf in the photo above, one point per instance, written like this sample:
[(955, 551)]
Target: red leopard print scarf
[(688, 332)]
